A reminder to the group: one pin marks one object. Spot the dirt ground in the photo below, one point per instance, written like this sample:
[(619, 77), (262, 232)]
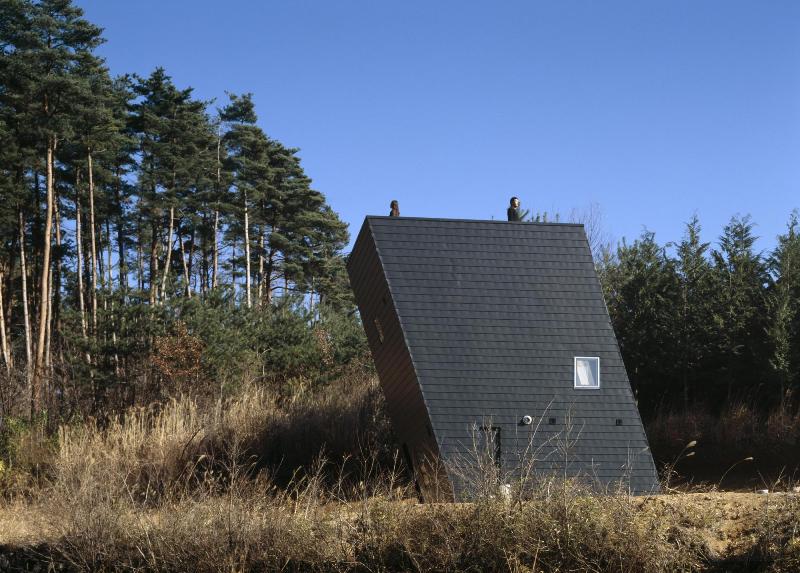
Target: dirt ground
[(726, 521)]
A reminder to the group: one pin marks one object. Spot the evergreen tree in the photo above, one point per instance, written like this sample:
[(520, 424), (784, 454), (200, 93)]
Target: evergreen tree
[(55, 42), (166, 163), (694, 316), (107, 183), (784, 310), (120, 161), (644, 288), (248, 162), (741, 276), (312, 234)]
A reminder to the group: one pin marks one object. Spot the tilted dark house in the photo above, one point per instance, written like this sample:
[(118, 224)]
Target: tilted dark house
[(474, 326)]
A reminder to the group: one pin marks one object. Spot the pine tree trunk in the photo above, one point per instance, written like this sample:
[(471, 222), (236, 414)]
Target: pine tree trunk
[(25, 313), (53, 322), (204, 268), (9, 300), (190, 259), (169, 253), (44, 302), (109, 287), (49, 336), (247, 251), (122, 273), (3, 337), (233, 268), (153, 263), (57, 284), (35, 261), (215, 250), (185, 266), (101, 265), (79, 263), (153, 244), (268, 275), (140, 258), (261, 267), (79, 247), (311, 300), (109, 258), (93, 244)]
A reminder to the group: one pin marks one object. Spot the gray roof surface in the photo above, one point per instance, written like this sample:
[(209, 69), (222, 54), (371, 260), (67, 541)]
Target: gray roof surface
[(493, 315)]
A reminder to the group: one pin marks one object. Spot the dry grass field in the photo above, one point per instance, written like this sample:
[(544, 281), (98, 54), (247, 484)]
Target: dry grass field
[(255, 530), (184, 487)]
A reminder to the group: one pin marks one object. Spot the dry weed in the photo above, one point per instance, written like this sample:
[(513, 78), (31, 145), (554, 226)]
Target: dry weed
[(177, 488)]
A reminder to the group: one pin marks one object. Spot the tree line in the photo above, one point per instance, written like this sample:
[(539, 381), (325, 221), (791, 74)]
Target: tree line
[(153, 241), (129, 206), (708, 324)]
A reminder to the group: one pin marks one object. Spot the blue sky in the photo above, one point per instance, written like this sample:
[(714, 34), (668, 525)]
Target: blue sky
[(653, 110)]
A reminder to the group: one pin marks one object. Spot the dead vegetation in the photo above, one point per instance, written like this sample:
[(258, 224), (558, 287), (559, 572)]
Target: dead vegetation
[(187, 488)]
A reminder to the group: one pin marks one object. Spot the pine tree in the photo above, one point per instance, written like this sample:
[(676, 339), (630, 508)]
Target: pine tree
[(119, 160), (210, 196), (193, 167), (18, 154), (156, 121), (784, 310), (740, 314), (55, 42), (248, 162), (98, 134), (694, 319), (305, 234), (642, 306)]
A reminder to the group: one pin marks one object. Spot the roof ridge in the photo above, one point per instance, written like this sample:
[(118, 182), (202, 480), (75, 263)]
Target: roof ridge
[(450, 220)]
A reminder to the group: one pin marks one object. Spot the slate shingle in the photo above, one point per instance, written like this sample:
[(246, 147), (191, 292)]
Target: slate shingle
[(482, 320)]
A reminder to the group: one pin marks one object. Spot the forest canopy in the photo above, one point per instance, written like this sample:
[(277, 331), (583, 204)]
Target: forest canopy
[(709, 325), (149, 240)]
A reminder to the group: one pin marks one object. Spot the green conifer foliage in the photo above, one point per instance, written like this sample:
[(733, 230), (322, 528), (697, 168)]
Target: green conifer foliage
[(645, 288), (741, 276), (693, 326), (783, 302)]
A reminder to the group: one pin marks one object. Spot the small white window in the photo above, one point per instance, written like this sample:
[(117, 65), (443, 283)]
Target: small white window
[(587, 372)]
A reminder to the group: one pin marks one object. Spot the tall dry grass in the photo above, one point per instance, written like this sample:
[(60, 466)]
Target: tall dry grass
[(184, 488), (778, 534), (147, 453), (250, 525)]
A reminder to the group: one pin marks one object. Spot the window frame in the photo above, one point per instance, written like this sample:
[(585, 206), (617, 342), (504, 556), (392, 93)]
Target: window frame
[(575, 373)]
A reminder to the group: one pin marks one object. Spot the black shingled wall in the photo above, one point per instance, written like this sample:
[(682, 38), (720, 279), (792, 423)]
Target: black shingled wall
[(390, 353), (482, 321)]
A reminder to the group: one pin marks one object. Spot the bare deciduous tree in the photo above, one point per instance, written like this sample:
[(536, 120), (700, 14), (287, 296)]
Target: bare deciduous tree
[(598, 236)]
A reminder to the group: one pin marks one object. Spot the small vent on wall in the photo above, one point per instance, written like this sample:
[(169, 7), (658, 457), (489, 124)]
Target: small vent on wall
[(551, 421), (618, 422), (379, 328)]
